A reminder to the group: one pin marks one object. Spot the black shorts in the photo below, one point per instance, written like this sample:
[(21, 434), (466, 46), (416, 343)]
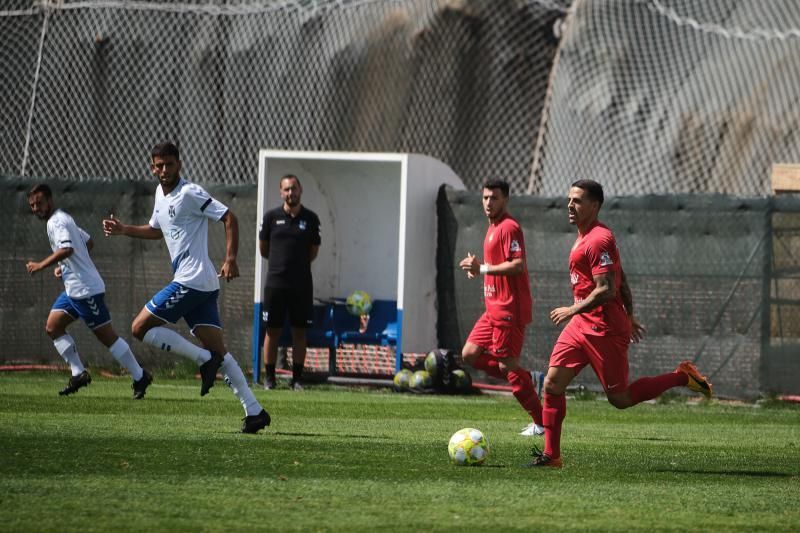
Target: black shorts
[(298, 302)]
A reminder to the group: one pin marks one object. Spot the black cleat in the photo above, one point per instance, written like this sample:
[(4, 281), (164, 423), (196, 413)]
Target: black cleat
[(208, 372), (139, 387), (75, 383), (540, 459), (255, 423)]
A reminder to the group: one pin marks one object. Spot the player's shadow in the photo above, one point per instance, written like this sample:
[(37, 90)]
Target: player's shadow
[(737, 473), (317, 435)]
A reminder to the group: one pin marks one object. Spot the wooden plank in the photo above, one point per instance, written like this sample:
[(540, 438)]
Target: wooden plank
[(785, 177)]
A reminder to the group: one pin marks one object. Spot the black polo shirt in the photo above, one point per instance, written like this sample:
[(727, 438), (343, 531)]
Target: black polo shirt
[(290, 240)]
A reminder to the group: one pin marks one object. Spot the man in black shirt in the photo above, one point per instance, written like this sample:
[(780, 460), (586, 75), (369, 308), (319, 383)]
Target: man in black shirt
[(289, 239)]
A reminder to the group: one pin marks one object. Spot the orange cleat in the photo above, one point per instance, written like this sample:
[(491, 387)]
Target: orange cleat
[(540, 459), (697, 382)]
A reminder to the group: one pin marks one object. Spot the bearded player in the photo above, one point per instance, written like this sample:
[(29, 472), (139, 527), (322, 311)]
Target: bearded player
[(599, 326), (495, 343)]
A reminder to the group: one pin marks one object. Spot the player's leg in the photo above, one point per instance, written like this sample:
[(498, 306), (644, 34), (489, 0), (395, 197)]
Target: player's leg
[(301, 317), (275, 304), (121, 351), (566, 361), (169, 305), (507, 342), (255, 416), (62, 314), (476, 350)]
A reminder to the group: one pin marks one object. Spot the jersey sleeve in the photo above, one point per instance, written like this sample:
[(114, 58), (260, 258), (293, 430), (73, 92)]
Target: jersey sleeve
[(153, 222), (61, 235), (208, 206), (601, 253), (85, 236), (316, 232), (513, 243), (264, 232)]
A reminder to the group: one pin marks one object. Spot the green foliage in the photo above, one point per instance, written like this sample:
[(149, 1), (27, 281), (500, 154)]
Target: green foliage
[(341, 459)]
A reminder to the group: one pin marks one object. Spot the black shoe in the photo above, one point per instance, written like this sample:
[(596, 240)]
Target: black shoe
[(75, 383), (139, 387), (269, 383), (208, 372), (540, 459), (254, 423)]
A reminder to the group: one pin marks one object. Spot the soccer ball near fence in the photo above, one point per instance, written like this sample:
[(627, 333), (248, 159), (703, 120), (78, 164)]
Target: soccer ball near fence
[(402, 379), (359, 303), (468, 447), (431, 362), (420, 380)]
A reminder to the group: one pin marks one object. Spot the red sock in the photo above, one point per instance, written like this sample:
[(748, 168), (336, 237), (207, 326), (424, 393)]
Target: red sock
[(644, 389), (489, 364), (522, 388), (555, 409)]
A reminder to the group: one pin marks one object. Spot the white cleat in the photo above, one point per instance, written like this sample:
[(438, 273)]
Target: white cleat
[(532, 430)]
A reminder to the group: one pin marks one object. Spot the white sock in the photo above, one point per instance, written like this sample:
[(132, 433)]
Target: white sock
[(124, 356), (169, 341), (65, 345), (238, 383)]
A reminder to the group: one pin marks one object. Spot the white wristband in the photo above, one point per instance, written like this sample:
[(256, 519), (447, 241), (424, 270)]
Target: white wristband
[(484, 268)]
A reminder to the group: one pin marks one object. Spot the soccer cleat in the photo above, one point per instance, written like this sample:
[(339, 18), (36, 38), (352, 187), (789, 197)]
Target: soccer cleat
[(697, 382), (139, 387), (208, 372), (75, 383), (542, 460), (532, 430), (254, 423), (269, 383)]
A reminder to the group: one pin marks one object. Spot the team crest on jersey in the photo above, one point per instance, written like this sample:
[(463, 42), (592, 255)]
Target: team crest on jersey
[(515, 246), (171, 211), (302, 224), (573, 278), (605, 259)]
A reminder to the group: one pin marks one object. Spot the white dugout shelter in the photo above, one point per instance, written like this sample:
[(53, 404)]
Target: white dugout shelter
[(378, 218)]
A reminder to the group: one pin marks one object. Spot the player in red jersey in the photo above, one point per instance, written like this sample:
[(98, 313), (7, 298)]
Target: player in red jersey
[(599, 326), (495, 343)]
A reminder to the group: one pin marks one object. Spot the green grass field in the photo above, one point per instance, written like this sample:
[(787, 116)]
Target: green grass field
[(343, 459)]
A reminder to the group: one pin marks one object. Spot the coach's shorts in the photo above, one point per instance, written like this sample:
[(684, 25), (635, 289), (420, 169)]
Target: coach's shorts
[(298, 303), (608, 356), (176, 301), (92, 310), (500, 341)]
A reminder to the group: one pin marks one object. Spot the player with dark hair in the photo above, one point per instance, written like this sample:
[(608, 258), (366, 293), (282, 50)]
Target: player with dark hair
[(83, 296), (289, 239), (495, 343), (600, 325), (180, 216)]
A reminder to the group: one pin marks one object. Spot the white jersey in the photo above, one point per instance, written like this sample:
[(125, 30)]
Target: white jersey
[(182, 216), (80, 276)]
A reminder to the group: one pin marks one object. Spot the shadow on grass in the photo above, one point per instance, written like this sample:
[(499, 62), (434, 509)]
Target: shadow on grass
[(334, 435), (744, 473)]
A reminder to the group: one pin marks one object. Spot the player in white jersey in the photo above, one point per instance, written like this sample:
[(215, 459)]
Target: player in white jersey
[(83, 295), (180, 216)]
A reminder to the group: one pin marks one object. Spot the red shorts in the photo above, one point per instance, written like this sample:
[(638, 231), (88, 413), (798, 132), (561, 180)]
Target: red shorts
[(500, 341), (608, 356)]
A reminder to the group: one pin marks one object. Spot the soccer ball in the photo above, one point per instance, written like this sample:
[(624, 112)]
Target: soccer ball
[(403, 379), (460, 380), (431, 362), (359, 303), (420, 380), (468, 447)]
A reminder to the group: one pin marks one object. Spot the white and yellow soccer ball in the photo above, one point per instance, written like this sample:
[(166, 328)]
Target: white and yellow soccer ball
[(468, 447), (420, 379), (402, 379), (431, 363), (359, 303)]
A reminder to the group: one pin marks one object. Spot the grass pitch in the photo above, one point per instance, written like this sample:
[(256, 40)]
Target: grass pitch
[(339, 459)]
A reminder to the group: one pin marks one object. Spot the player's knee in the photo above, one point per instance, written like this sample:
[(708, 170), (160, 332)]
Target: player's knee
[(620, 401), (53, 332), (139, 329), (468, 355), (550, 386)]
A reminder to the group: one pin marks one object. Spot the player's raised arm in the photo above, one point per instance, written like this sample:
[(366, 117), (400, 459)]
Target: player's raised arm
[(230, 269), (114, 226)]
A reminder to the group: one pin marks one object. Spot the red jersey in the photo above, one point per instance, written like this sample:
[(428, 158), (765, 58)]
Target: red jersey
[(596, 253), (507, 298)]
